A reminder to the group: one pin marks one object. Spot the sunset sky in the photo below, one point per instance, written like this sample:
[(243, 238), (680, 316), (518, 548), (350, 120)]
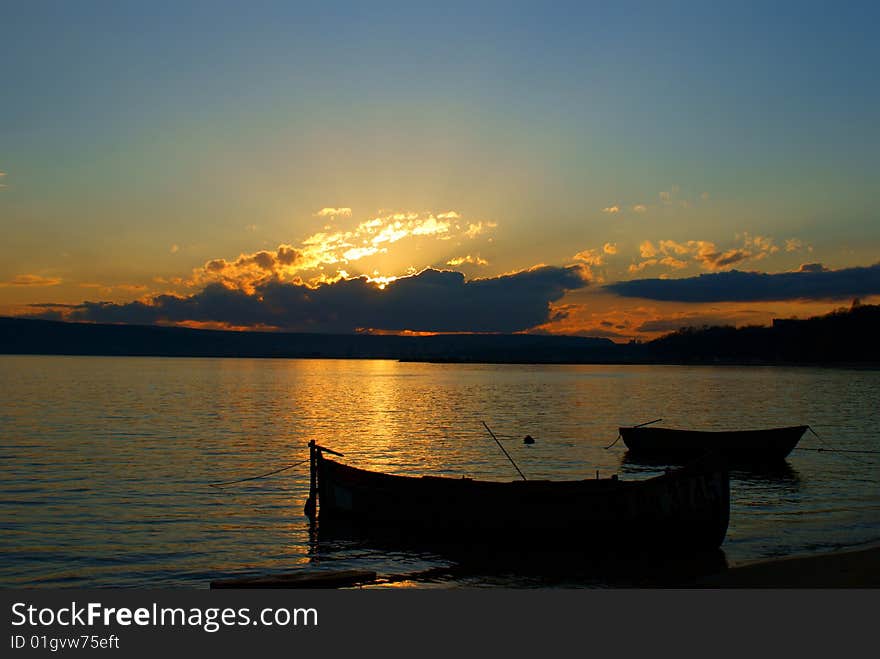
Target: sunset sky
[(606, 169)]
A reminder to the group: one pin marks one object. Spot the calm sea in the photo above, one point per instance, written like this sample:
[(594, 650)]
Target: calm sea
[(105, 462)]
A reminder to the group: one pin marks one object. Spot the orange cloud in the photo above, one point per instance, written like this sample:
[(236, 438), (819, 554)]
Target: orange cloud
[(475, 230), (590, 257), (759, 246), (704, 253), (473, 260), (249, 270), (670, 246), (598, 315), (641, 265), (672, 262), (337, 248), (591, 312), (796, 245), (334, 212), (127, 288), (31, 280)]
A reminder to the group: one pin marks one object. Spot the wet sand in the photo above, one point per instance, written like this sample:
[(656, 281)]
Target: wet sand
[(858, 568)]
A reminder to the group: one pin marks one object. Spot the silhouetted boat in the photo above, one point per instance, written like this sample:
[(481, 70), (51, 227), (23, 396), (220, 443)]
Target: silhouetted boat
[(686, 508), (740, 446)]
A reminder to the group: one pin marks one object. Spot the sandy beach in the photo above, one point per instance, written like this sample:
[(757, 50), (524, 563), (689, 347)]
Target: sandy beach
[(858, 568)]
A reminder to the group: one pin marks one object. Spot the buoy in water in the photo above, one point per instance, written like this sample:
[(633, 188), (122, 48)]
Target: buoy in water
[(528, 439)]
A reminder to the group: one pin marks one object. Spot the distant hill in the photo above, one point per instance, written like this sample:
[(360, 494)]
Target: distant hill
[(30, 336), (844, 336), (847, 336)]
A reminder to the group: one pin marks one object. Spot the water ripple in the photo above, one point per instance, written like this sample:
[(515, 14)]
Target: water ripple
[(105, 461)]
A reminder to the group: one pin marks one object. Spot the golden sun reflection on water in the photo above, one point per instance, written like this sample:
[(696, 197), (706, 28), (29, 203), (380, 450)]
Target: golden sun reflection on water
[(106, 462)]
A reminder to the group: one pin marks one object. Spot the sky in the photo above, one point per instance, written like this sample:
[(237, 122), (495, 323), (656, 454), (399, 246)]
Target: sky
[(603, 169)]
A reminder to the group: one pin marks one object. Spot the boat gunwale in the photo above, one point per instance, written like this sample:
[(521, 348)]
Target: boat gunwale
[(703, 465), (755, 431)]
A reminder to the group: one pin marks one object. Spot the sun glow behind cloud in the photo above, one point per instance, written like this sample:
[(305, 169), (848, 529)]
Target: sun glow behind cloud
[(336, 252), (471, 260)]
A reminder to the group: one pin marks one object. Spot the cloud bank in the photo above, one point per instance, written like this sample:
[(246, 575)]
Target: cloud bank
[(432, 300), (812, 283)]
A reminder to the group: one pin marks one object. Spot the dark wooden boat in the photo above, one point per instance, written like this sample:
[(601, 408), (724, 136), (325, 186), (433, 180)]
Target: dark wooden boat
[(684, 508), (738, 446)]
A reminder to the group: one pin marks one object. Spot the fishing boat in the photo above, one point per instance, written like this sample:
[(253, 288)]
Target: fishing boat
[(685, 508), (738, 446)]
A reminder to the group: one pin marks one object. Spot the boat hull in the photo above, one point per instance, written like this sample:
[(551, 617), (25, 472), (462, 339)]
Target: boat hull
[(685, 508), (738, 446)]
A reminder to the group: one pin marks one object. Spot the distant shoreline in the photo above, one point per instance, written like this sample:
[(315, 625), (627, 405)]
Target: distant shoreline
[(872, 366), (464, 362), (857, 366), (844, 339)]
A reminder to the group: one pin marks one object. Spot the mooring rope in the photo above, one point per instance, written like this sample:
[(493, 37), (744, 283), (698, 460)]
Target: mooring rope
[(835, 450), (253, 478), (646, 423), (614, 442), (828, 449)]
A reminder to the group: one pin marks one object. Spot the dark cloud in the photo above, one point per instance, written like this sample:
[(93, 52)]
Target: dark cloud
[(717, 260), (736, 286), (432, 300), (812, 267)]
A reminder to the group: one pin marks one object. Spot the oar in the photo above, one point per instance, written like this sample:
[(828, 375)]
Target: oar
[(505, 451)]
